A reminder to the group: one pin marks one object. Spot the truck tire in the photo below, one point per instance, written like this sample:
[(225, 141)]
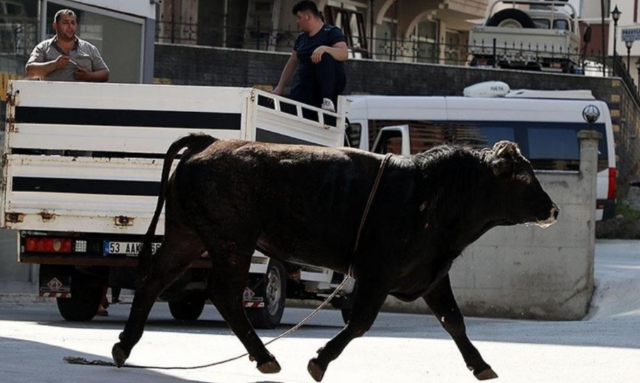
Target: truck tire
[(273, 289), (84, 301), (189, 307), (511, 18)]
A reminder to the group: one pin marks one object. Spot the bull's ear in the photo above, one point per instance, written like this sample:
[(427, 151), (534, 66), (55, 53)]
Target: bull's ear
[(505, 149)]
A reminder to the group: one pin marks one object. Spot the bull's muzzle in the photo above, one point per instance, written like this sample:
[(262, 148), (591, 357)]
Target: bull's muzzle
[(553, 217)]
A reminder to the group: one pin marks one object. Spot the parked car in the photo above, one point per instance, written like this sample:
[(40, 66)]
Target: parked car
[(544, 37)]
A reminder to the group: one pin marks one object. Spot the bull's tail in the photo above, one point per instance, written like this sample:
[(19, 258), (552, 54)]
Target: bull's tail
[(194, 143)]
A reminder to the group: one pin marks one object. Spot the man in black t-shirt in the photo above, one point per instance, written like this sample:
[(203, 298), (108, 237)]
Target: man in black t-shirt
[(318, 55)]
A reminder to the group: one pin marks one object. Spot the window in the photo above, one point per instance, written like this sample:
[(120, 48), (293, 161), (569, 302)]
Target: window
[(390, 142), (352, 25), (453, 54), (480, 137), (426, 38), (562, 25), (424, 135), (542, 23), (354, 133), (548, 145)]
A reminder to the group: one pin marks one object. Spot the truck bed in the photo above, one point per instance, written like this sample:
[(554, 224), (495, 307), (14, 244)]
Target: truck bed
[(87, 158)]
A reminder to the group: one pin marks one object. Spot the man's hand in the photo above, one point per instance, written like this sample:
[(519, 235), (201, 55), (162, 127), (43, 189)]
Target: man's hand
[(316, 56), (81, 74), (61, 61)]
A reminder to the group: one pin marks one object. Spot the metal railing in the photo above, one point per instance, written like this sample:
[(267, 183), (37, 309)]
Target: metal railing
[(413, 49), (621, 70)]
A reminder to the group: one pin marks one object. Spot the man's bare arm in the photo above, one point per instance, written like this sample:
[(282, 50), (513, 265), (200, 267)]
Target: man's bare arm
[(40, 70), (338, 51), (287, 73)]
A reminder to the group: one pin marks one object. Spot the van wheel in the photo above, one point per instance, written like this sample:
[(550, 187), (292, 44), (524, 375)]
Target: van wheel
[(511, 18), (84, 301), (273, 289), (189, 307)]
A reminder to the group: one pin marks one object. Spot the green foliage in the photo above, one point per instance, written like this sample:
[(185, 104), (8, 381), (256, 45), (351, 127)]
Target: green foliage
[(629, 212), (626, 224)]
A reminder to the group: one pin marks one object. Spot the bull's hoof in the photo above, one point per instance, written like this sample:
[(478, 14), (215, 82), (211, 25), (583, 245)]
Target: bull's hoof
[(316, 372), (119, 355), (486, 374), (270, 367)]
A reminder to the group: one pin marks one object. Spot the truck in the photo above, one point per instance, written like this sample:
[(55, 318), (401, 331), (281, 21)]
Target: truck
[(542, 36), (81, 171)]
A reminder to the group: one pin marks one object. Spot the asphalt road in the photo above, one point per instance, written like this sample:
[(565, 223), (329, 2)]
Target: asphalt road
[(400, 347)]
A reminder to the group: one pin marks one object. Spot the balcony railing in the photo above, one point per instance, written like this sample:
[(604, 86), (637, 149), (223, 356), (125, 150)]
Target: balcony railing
[(414, 49)]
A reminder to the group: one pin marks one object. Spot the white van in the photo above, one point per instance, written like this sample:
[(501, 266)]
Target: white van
[(543, 123)]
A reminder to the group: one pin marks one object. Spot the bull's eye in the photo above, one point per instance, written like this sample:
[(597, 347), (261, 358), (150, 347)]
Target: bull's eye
[(524, 177)]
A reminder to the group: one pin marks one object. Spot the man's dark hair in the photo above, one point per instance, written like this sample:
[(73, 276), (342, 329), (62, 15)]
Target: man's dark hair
[(61, 12), (306, 6)]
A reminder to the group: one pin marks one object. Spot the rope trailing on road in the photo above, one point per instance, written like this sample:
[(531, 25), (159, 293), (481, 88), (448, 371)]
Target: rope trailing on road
[(85, 362)]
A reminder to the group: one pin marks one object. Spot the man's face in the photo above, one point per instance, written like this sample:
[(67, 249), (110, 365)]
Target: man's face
[(66, 27), (304, 20)]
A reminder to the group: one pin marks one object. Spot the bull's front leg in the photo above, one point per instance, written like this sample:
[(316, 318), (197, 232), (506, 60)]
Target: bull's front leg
[(368, 300), (443, 305)]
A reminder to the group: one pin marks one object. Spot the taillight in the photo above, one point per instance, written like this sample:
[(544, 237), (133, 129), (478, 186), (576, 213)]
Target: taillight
[(613, 188), (48, 245)]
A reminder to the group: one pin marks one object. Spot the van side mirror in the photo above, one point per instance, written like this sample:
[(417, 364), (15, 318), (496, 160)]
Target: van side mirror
[(587, 35)]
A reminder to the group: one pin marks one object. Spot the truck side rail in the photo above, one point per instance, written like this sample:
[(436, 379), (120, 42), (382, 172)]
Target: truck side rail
[(279, 119), (87, 158)]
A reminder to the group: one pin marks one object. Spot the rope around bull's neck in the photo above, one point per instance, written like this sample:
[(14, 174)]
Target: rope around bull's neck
[(350, 274)]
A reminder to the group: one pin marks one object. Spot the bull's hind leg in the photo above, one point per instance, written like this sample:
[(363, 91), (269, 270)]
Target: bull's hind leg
[(230, 270), (443, 305), (369, 298), (179, 248)]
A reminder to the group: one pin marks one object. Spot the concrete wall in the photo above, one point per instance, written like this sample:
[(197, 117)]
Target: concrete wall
[(188, 65), (530, 272)]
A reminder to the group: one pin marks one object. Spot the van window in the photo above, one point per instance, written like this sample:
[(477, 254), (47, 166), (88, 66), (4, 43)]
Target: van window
[(354, 133), (390, 142), (563, 146), (424, 134), (548, 145), (478, 136)]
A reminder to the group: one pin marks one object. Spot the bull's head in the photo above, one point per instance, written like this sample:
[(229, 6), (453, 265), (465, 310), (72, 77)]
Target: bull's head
[(525, 200)]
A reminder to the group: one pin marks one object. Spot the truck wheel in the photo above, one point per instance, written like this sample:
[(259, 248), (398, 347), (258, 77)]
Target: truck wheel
[(84, 301), (511, 18), (273, 289), (189, 307)]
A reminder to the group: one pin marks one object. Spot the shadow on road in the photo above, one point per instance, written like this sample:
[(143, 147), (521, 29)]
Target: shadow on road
[(28, 361)]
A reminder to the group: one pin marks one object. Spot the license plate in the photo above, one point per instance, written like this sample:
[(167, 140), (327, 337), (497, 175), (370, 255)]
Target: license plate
[(130, 249)]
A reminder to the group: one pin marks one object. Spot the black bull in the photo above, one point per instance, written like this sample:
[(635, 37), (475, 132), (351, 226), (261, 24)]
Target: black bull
[(304, 205)]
